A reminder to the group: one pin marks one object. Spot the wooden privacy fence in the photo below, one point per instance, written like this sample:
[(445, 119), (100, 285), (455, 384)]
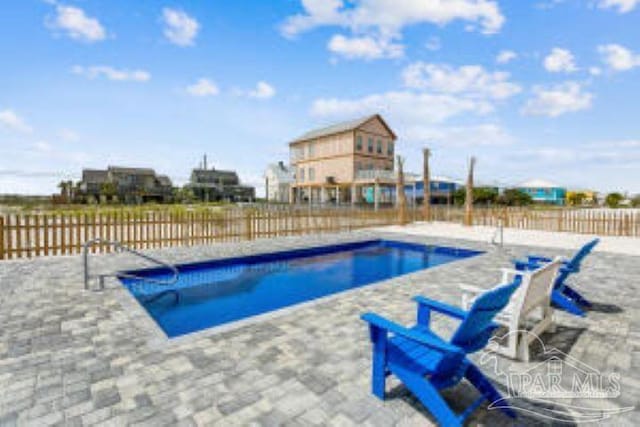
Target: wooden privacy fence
[(30, 235), (602, 222)]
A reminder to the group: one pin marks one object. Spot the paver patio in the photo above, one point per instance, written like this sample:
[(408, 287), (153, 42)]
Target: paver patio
[(72, 357)]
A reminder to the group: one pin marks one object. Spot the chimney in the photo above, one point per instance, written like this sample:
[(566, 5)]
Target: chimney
[(281, 164)]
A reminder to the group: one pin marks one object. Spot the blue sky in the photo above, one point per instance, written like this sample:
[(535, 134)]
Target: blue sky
[(534, 89)]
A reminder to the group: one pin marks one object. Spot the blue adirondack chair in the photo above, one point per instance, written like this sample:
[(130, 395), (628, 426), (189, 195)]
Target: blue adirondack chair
[(563, 296), (426, 363)]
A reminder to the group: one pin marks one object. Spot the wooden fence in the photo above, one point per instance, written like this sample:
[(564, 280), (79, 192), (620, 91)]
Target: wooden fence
[(31, 235)]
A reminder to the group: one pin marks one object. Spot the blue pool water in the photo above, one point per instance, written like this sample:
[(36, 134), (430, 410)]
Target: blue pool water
[(216, 292)]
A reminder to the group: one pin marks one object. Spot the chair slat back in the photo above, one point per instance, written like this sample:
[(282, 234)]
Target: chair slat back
[(576, 261), (476, 328), (540, 285)]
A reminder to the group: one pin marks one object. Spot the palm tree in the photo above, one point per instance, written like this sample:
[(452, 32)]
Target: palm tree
[(468, 201), (426, 204), (402, 198)]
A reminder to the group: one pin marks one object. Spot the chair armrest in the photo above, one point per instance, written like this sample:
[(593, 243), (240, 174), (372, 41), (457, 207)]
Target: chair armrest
[(524, 265), (441, 307), (535, 258), (389, 326)]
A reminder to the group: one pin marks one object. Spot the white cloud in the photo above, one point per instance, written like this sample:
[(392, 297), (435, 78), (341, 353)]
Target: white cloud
[(391, 16), (506, 56), (595, 71), (623, 6), (110, 73), (560, 60), (10, 120), (203, 87), (68, 135), (486, 134), (263, 90), (365, 47), (42, 147), (557, 100), (180, 28), (469, 80), (619, 58), (377, 25), (75, 22), (404, 106)]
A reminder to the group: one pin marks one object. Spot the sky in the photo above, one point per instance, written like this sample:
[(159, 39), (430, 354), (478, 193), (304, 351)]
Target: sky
[(540, 89)]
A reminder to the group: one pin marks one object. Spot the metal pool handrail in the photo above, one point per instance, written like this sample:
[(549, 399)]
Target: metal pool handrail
[(120, 247)]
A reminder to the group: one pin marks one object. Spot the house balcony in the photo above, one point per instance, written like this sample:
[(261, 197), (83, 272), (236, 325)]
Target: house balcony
[(372, 175)]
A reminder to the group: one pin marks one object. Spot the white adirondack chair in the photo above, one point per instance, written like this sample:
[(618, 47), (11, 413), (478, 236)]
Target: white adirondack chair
[(533, 295)]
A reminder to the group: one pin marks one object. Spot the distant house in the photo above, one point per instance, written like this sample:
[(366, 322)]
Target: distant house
[(278, 180), (442, 190), (343, 161), (542, 191), (589, 197), (127, 184), (212, 185)]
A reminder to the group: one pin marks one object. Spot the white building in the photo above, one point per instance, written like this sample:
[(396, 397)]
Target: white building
[(278, 179)]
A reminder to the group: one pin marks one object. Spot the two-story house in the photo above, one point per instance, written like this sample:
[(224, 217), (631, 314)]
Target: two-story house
[(129, 185), (278, 179), (212, 185), (337, 163)]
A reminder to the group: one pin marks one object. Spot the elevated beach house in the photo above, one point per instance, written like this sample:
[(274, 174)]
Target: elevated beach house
[(546, 192), (213, 185), (125, 184), (338, 163)]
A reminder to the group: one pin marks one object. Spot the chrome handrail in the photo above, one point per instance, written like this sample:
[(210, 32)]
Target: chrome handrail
[(120, 247)]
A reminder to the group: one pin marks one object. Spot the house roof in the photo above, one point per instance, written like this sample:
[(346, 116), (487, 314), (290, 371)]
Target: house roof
[(164, 180), (94, 176), (281, 171), (538, 183), (132, 171), (341, 127)]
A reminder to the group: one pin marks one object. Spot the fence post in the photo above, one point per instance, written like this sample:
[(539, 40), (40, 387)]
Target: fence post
[(248, 225), (1, 237)]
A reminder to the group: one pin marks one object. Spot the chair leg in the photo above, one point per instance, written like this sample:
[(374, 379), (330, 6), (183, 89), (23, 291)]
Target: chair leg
[(548, 313), (428, 395), (379, 362), (484, 386), (564, 303), (524, 348)]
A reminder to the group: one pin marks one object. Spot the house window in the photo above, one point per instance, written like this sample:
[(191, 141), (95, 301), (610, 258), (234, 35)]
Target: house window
[(358, 166), (379, 147), (370, 145), (359, 143), (301, 174), (311, 149), (390, 148), (312, 174)]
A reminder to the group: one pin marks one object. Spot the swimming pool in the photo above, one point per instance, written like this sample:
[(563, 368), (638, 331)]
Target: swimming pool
[(217, 292)]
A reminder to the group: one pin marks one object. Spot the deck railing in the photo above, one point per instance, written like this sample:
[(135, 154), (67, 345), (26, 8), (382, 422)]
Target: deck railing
[(47, 234)]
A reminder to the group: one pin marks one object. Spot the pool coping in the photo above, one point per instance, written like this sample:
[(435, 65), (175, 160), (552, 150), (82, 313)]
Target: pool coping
[(158, 339)]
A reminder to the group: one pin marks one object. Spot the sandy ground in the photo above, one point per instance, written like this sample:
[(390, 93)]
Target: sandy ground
[(514, 236)]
